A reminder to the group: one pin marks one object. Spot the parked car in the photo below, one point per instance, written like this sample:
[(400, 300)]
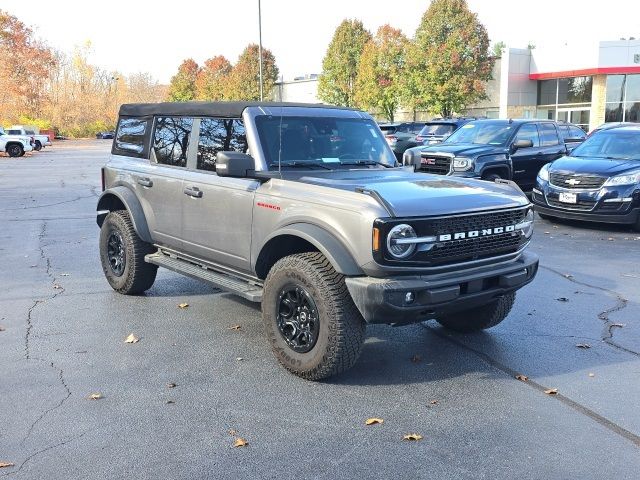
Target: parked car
[(401, 136), (303, 209), (439, 129), (599, 181), (492, 149), (609, 125), (105, 135), (39, 141), (14, 145)]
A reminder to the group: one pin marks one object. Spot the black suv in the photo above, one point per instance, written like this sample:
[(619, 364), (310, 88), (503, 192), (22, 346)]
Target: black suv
[(491, 149), (439, 129), (401, 136)]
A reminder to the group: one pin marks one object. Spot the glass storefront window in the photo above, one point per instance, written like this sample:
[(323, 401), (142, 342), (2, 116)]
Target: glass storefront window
[(633, 88), (613, 112), (632, 112), (615, 88), (574, 90), (547, 90)]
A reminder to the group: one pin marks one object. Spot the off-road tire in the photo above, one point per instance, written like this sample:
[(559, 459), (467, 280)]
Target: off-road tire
[(15, 150), (480, 318), (341, 327), (38, 146), (138, 276)]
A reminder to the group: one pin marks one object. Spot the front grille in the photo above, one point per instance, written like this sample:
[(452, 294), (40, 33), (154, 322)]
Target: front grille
[(467, 223), (581, 205), (589, 182), (475, 248), (439, 165)]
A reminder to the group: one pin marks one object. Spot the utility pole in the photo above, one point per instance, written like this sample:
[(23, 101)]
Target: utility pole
[(260, 49)]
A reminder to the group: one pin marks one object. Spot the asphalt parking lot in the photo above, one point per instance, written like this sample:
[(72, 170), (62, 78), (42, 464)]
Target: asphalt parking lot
[(62, 339)]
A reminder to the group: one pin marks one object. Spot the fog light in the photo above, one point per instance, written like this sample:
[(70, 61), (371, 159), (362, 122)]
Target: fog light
[(409, 297)]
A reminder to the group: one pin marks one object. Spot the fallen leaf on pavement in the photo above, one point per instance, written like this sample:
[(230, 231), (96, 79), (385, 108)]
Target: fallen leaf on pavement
[(522, 378), (239, 359), (583, 345), (235, 327), (2, 329), (183, 305), (172, 385), (610, 239), (240, 442), (64, 274), (567, 275), (132, 339), (412, 437), (233, 432), (170, 402), (6, 464), (95, 396), (373, 421), (592, 374), (57, 287), (416, 359), (562, 299), (433, 402), (547, 233), (551, 391), (619, 325)]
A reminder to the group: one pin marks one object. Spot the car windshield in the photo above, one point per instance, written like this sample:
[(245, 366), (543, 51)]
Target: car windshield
[(322, 142), (614, 144), (437, 129), (483, 133), (14, 132)]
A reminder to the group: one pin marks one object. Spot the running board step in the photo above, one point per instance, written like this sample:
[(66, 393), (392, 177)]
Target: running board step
[(246, 290)]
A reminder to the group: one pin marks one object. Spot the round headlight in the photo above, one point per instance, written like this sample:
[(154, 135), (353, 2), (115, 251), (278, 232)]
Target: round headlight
[(395, 244)]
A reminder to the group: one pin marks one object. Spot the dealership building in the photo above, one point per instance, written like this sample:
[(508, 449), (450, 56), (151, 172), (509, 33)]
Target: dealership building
[(581, 84)]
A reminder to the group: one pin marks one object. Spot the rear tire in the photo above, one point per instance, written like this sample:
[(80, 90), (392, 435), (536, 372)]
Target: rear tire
[(38, 146), (15, 150), (480, 318), (122, 254), (311, 322)]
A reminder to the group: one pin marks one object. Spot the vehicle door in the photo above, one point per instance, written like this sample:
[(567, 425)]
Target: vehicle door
[(552, 145), (159, 182), (217, 211), (525, 160)]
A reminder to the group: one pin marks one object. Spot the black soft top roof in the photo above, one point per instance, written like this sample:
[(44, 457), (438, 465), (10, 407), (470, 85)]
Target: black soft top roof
[(209, 109)]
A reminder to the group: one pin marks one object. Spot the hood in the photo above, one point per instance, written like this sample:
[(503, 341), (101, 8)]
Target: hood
[(593, 166), (463, 149), (410, 194)]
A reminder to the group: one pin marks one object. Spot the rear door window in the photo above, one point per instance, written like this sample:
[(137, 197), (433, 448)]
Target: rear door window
[(130, 139), (548, 134), (219, 135), (171, 140)]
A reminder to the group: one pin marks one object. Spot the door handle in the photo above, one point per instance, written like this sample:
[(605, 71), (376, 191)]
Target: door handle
[(145, 182), (194, 192)]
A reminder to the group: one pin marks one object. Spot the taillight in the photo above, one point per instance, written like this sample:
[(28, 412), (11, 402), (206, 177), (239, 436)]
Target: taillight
[(420, 138), (391, 138), (102, 178)]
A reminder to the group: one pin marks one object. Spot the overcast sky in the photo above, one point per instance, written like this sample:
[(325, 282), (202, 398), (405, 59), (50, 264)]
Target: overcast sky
[(153, 36)]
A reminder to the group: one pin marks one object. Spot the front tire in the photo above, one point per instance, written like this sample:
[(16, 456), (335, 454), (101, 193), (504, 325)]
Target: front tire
[(311, 322), (480, 318), (122, 254), (15, 150)]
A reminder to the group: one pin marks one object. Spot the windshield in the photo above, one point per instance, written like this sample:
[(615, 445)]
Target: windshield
[(437, 129), (323, 142), (482, 133), (14, 132), (613, 144)]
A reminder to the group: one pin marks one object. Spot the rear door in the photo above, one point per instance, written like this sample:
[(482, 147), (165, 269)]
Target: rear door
[(552, 146), (526, 160), (217, 211)]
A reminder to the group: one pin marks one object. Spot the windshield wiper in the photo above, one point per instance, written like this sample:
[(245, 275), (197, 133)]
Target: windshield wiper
[(296, 164), (367, 162)]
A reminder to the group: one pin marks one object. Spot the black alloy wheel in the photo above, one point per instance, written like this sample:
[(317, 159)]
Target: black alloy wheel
[(297, 318), (14, 150), (116, 253)]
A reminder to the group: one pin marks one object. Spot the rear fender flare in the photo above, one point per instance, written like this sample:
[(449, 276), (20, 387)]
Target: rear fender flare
[(115, 199)]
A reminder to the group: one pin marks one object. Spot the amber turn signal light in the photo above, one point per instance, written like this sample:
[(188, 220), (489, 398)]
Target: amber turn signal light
[(376, 239)]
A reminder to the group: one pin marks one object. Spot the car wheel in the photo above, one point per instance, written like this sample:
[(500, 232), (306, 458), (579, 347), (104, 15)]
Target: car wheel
[(480, 318), (122, 254), (38, 146), (15, 150), (311, 322), (491, 177)]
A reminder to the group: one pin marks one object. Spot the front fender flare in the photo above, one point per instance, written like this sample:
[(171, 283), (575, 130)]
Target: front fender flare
[(332, 248), (116, 197)]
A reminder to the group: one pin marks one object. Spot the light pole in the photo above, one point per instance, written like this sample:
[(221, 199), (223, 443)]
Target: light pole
[(260, 49)]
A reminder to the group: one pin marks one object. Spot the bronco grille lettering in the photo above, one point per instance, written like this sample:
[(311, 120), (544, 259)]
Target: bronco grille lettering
[(476, 233)]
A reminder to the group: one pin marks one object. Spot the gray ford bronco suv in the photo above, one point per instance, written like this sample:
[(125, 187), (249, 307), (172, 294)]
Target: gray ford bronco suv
[(304, 209)]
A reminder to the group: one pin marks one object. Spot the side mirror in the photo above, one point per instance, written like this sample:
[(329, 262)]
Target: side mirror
[(515, 146), (235, 164)]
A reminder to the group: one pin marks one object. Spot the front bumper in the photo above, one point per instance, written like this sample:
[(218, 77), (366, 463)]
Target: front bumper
[(383, 300)]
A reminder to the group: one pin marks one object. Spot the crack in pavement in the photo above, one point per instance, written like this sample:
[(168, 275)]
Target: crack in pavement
[(605, 422), (46, 449), (28, 334), (50, 204), (621, 303)]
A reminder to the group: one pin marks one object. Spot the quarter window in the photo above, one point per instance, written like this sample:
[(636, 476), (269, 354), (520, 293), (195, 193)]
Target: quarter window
[(219, 135), (130, 137), (529, 131), (171, 140), (548, 134)]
